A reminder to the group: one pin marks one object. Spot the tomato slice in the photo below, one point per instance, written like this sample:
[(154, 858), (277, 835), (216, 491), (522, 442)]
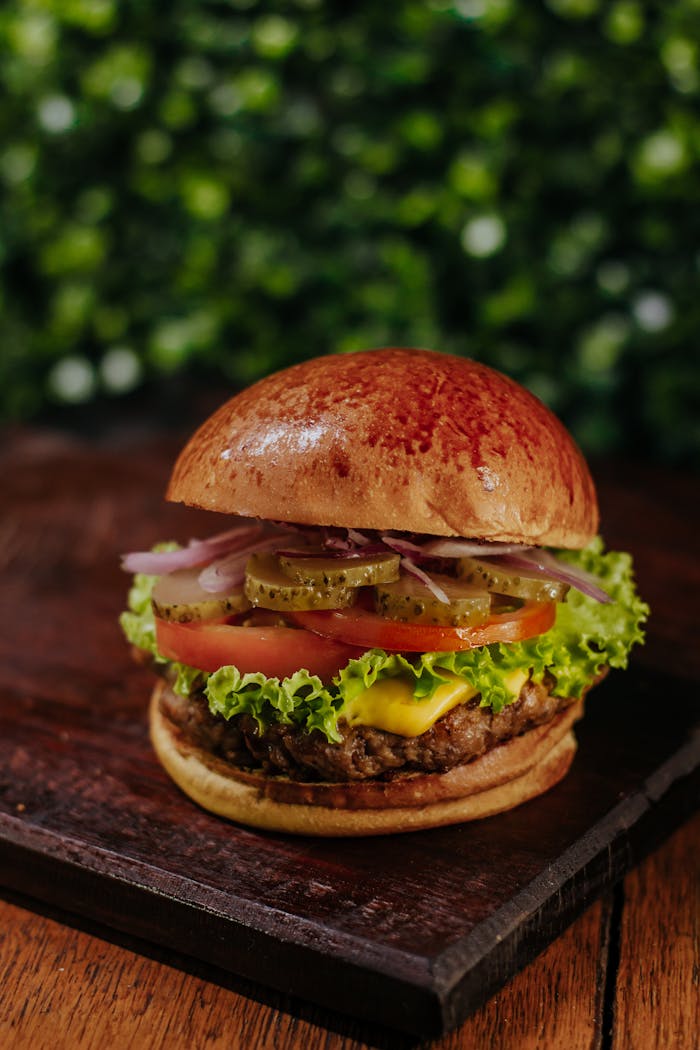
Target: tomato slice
[(361, 627), (276, 651), (327, 640)]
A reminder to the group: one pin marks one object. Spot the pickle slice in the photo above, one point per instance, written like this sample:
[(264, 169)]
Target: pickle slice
[(410, 601), (515, 584), (318, 570), (267, 586), (179, 597)]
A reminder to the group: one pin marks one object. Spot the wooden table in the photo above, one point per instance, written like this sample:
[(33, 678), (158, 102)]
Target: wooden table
[(626, 974)]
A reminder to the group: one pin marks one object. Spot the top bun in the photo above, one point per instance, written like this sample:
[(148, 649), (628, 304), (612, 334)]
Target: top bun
[(410, 440)]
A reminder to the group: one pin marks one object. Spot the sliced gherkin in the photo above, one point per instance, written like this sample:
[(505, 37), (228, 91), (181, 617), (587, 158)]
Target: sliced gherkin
[(268, 587), (318, 570), (410, 601), (179, 597), (516, 584)]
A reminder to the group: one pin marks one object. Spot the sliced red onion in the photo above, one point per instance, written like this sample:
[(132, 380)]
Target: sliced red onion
[(401, 546), (454, 547), (197, 552), (543, 563), (229, 571), (336, 543), (157, 563), (332, 542), (432, 586), (355, 536), (222, 575)]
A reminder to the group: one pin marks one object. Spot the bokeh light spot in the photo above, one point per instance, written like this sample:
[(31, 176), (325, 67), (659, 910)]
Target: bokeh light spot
[(483, 235), (653, 311), (120, 369), (56, 114), (72, 380)]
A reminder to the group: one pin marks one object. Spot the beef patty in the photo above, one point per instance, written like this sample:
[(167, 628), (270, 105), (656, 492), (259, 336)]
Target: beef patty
[(464, 733)]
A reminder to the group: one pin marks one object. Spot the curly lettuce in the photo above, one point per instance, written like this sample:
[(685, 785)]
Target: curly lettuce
[(139, 627), (586, 637), (302, 700)]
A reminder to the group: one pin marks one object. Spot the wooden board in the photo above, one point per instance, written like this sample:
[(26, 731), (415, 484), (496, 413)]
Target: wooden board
[(413, 931)]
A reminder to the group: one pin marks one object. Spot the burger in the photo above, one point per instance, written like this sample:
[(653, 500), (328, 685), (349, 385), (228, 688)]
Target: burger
[(407, 602)]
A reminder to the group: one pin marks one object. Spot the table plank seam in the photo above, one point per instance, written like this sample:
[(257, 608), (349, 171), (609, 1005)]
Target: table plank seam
[(611, 964)]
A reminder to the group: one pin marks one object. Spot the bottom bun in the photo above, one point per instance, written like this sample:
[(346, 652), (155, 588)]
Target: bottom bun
[(511, 773)]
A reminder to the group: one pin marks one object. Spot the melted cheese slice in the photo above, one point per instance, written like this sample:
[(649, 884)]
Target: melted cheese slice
[(389, 704)]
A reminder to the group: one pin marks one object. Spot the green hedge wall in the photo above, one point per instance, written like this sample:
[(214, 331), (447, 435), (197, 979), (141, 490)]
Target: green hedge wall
[(217, 189)]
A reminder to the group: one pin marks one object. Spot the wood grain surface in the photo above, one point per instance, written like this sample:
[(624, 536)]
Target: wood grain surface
[(657, 1000), (623, 977), (79, 805)]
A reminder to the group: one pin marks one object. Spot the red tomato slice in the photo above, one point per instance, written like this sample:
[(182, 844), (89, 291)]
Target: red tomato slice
[(276, 651), (367, 629)]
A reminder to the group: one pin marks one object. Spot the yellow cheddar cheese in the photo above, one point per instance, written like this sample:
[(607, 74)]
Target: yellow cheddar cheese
[(389, 704)]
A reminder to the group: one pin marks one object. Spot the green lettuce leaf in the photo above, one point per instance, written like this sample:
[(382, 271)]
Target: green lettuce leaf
[(137, 622), (139, 627), (586, 637), (302, 700)]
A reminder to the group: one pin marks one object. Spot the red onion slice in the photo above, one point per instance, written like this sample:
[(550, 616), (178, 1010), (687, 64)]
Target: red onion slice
[(401, 546), (229, 571), (543, 563), (355, 536), (331, 542), (197, 552), (454, 547), (432, 586)]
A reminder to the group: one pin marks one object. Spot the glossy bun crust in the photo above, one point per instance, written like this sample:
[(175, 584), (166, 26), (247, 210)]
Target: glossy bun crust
[(401, 439), (504, 777)]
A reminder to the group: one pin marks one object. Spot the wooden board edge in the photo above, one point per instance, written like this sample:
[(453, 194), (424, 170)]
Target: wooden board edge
[(344, 987), (469, 973), (453, 984)]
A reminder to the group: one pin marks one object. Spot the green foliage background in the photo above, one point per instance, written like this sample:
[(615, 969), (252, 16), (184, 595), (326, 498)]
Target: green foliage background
[(221, 188)]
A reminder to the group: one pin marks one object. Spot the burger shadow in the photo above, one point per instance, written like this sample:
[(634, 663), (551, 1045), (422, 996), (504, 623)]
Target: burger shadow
[(361, 1035)]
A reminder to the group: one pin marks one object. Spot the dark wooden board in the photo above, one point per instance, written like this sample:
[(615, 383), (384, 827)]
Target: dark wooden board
[(413, 931)]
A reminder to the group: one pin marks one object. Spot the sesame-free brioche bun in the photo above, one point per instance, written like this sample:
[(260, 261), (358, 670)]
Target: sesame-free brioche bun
[(402, 439), (509, 774)]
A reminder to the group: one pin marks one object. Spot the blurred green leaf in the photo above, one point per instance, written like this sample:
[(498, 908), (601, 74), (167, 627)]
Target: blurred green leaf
[(228, 187)]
